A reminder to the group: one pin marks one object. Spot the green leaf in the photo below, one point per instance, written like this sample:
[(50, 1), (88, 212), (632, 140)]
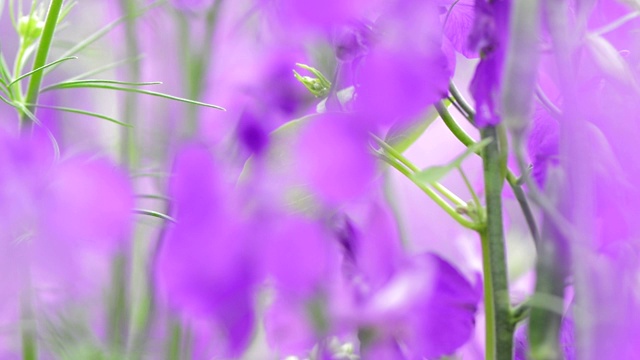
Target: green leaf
[(155, 214), (41, 68), (83, 112), (76, 83), (435, 173), (139, 91)]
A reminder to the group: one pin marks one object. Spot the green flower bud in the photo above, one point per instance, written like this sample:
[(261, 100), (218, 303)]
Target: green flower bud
[(318, 86), (30, 28)]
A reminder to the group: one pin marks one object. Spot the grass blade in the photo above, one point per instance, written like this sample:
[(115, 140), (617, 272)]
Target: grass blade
[(41, 68), (75, 83), (155, 214), (140, 91), (82, 112)]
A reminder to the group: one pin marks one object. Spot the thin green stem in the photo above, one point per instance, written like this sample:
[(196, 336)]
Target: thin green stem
[(495, 248), (474, 195), (453, 126), (414, 169), (33, 89), (460, 100), (432, 194), (513, 182), (512, 179)]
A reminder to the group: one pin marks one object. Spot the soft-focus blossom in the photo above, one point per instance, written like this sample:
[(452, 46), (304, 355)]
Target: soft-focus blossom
[(333, 157), (62, 222), (203, 269), (489, 37)]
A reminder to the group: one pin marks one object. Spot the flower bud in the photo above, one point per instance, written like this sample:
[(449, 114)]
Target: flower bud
[(30, 28)]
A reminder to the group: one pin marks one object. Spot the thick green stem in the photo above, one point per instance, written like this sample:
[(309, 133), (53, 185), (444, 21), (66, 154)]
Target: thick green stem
[(494, 249), (512, 179), (489, 308), (33, 89)]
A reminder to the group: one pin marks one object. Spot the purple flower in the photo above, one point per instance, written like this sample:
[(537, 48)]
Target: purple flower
[(203, 268), (428, 306), (489, 38), (55, 215), (458, 18), (405, 71), (333, 157), (398, 84), (315, 15)]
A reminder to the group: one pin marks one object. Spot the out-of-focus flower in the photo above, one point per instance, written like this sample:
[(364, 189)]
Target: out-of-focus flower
[(192, 5), (489, 37), (203, 268), (315, 16), (60, 218), (458, 18), (333, 157), (405, 70), (427, 309)]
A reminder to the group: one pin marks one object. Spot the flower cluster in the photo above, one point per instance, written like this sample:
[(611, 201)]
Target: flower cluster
[(342, 199)]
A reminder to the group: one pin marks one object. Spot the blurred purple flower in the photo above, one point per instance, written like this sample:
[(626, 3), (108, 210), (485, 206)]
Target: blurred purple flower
[(315, 16), (428, 306), (300, 256), (542, 144), (192, 5), (405, 71), (203, 268), (458, 18), (397, 84), (333, 157), (489, 37), (55, 216)]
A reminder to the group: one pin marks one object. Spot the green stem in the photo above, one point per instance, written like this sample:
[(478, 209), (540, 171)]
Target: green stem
[(28, 330), (494, 249), (474, 195), (40, 60), (175, 341), (467, 140), (489, 308), (129, 148), (433, 195), (460, 100), (414, 169), (118, 305)]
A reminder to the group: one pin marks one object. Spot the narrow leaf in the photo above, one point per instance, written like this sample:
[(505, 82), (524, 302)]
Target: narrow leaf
[(140, 91), (75, 83), (41, 68), (155, 214), (82, 112)]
